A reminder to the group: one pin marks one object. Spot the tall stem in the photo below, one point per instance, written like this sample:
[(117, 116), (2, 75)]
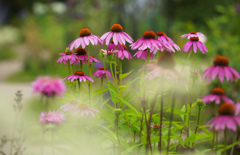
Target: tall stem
[(213, 140), (199, 113), (148, 55), (80, 65), (161, 119), (79, 88), (117, 133), (69, 69), (52, 143), (89, 73), (103, 60), (235, 147), (225, 139), (186, 62), (102, 88), (147, 145)]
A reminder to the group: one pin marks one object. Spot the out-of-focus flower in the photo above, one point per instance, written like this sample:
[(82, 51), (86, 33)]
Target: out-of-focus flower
[(48, 86), (216, 96), (54, 117), (84, 109), (193, 44), (157, 126), (81, 55), (85, 37), (194, 73), (79, 75), (237, 107), (106, 52), (70, 106), (58, 7), (226, 118), (93, 59), (220, 69), (101, 73), (124, 53), (192, 34), (112, 46), (143, 55), (40, 8), (164, 38), (67, 56), (119, 37)]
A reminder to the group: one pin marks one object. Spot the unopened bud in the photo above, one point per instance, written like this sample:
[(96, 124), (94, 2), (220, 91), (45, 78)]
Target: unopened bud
[(117, 112)]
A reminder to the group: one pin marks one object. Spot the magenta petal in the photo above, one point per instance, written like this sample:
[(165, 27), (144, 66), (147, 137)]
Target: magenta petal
[(195, 47), (215, 72), (221, 74), (205, 73)]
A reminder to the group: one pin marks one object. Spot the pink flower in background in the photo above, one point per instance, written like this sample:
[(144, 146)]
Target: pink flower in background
[(226, 118), (81, 55), (112, 46), (70, 106), (192, 34), (79, 75), (67, 56), (49, 86), (157, 126), (143, 55), (216, 96), (119, 37), (93, 59), (84, 109), (149, 41), (164, 38), (193, 44), (106, 52), (220, 69), (85, 37), (123, 53), (54, 117), (101, 73), (237, 107)]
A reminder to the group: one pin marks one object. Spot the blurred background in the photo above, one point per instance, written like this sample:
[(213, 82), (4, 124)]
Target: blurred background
[(34, 32)]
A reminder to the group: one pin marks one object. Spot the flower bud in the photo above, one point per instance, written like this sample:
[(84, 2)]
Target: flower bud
[(117, 112), (194, 73)]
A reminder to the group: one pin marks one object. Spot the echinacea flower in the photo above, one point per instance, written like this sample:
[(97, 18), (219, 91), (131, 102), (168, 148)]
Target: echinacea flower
[(143, 55), (226, 118), (119, 37), (237, 107), (164, 38), (67, 56), (93, 59), (79, 75), (84, 109), (149, 41), (100, 73), (81, 55), (85, 37), (106, 52), (157, 126), (70, 106), (124, 53), (112, 46), (163, 68), (54, 117), (48, 86), (193, 44), (216, 96), (220, 69), (192, 34)]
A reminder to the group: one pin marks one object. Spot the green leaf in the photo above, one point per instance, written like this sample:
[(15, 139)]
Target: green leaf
[(125, 74), (183, 110), (99, 91), (128, 150), (190, 139), (180, 139), (176, 111)]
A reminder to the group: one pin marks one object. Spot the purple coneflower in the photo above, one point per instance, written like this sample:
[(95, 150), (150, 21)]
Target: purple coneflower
[(220, 69), (85, 36), (216, 96), (149, 41), (67, 56), (164, 38), (101, 73), (81, 55), (54, 117), (226, 118), (84, 109), (80, 76), (237, 107), (193, 44), (48, 86), (93, 59), (157, 126), (112, 46), (192, 34), (124, 53), (70, 106), (119, 37), (143, 55)]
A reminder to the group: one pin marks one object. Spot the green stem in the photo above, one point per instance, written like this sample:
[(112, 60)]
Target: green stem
[(225, 139), (216, 142), (69, 69), (158, 54), (79, 88), (186, 62), (103, 60), (90, 85), (120, 71), (148, 55), (213, 140), (118, 134), (199, 113), (80, 65), (89, 73), (161, 120), (72, 68), (52, 143), (102, 88)]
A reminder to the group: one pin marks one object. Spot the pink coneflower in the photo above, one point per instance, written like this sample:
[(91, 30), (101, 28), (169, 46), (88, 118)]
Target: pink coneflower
[(81, 55), (80, 76), (54, 117), (84, 109), (157, 126), (70, 106), (216, 96), (193, 44), (164, 38), (237, 107), (101, 73), (192, 34), (143, 55), (220, 69), (124, 53), (119, 37), (149, 41), (112, 46), (163, 68), (106, 52), (226, 118), (48, 86), (85, 37), (93, 59), (67, 56)]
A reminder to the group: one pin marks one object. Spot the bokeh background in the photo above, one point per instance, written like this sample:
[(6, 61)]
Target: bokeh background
[(34, 32)]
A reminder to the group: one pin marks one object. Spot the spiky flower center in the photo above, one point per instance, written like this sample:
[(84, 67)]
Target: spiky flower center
[(194, 39), (68, 53), (83, 107), (112, 42), (92, 56), (161, 34), (193, 32), (156, 126), (101, 68), (166, 60), (80, 73), (116, 28), (218, 91), (81, 51), (84, 32), (221, 61), (74, 102), (227, 109), (124, 46), (149, 34)]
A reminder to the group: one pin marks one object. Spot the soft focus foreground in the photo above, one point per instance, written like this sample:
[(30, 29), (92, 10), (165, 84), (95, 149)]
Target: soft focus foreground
[(164, 80)]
